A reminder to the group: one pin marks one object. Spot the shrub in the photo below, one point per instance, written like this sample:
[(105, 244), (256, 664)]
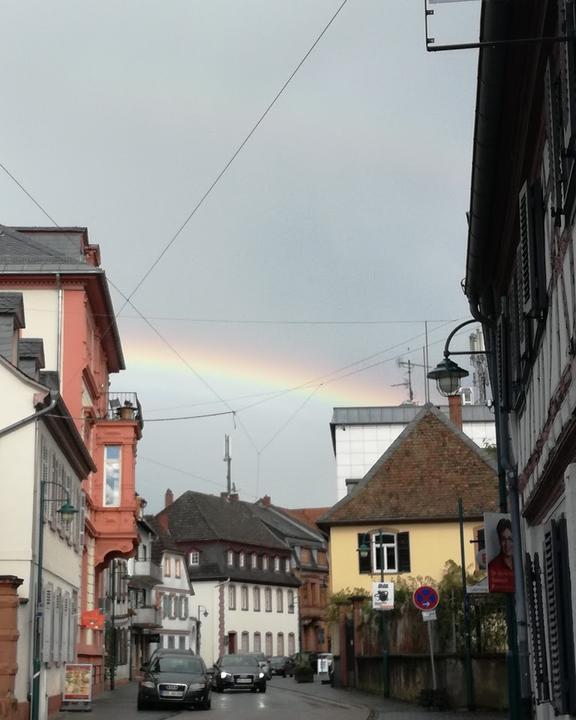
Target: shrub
[(303, 673)]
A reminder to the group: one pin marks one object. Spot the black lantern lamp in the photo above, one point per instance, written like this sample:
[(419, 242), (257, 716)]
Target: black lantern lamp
[(448, 375)]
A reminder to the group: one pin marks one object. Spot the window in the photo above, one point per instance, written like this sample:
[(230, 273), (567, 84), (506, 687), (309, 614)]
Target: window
[(287, 565), (280, 644), (231, 597), (183, 608), (269, 650), (290, 602), (177, 568), (171, 643), (276, 564), (182, 642), (194, 557), (291, 644), (230, 558), (256, 599), (112, 467), (257, 643), (480, 552), (167, 566), (264, 562), (241, 560), (394, 552), (254, 561), (245, 642), (279, 604), (244, 597), (142, 552), (268, 599)]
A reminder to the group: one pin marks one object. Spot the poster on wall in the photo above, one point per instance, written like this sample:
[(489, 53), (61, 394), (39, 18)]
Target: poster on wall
[(382, 596), (77, 692), (499, 544)]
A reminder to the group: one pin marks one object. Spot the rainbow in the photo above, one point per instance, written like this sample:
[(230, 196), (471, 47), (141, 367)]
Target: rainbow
[(221, 367)]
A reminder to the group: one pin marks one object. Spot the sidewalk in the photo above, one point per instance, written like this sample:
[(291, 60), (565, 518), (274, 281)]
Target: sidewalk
[(378, 708)]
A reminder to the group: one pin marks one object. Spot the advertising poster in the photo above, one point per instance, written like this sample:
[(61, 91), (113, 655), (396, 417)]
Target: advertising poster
[(499, 544), (382, 596), (77, 683)]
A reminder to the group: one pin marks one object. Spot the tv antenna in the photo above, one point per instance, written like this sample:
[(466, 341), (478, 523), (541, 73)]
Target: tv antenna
[(408, 364)]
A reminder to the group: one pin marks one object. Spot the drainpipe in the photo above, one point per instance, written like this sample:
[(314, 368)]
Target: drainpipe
[(59, 328), (24, 421)]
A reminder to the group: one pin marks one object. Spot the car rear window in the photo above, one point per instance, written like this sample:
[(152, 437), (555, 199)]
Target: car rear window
[(176, 664), (237, 660)]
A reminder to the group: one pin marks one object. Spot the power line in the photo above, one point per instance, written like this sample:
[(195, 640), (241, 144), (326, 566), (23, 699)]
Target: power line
[(149, 420), (234, 156)]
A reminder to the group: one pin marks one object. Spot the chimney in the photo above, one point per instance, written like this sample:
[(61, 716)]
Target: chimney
[(168, 498), (233, 496), (266, 501), (351, 485), (11, 322), (31, 356), (455, 409)]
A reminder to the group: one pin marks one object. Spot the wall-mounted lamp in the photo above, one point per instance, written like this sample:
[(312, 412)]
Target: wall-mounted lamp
[(447, 373), (204, 614)]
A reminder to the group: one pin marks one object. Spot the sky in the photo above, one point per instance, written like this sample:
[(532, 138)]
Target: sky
[(309, 270)]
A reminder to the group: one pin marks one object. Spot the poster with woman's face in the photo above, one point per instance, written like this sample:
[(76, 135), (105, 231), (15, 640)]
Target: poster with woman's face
[(498, 534)]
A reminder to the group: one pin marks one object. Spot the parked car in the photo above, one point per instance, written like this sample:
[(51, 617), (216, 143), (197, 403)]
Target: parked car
[(160, 652), (280, 665), (264, 664), (175, 678), (238, 672)]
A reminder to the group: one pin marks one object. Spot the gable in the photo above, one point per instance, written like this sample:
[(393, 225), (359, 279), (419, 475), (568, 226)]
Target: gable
[(421, 476)]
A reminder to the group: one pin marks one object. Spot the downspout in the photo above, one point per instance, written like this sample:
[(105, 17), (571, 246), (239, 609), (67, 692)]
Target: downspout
[(30, 418), (59, 329)]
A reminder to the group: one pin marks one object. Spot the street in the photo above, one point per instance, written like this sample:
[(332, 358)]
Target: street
[(282, 701)]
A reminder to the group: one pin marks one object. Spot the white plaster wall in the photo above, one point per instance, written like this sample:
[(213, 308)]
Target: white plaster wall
[(41, 316), (179, 587), (206, 594)]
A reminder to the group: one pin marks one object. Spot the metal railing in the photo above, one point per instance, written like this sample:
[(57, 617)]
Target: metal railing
[(124, 406)]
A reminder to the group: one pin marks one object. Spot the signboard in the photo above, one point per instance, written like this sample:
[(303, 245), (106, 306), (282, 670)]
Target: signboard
[(425, 598), (499, 544), (428, 615), (77, 685), (382, 596)]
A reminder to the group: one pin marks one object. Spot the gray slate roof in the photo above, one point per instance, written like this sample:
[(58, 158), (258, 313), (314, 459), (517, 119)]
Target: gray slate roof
[(200, 517), (60, 252), (13, 304), (287, 527), (402, 414)]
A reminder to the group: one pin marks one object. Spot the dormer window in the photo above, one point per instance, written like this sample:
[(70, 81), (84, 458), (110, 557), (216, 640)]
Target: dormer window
[(287, 565), (230, 558), (264, 562), (276, 564), (241, 560), (195, 558), (254, 561)]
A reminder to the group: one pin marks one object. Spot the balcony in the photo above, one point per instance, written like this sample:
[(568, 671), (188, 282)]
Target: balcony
[(124, 406), (145, 574), (147, 617)]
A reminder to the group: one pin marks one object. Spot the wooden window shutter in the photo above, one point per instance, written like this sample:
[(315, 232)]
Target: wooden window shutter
[(57, 644), (64, 653), (364, 563), (536, 615), (403, 548), (502, 363), (73, 626), (553, 133), (559, 605), (526, 269), (47, 615), (567, 50)]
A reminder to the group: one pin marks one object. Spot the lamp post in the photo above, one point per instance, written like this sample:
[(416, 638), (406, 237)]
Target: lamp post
[(66, 512), (364, 551)]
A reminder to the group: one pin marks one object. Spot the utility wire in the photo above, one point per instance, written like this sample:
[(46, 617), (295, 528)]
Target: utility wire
[(149, 420), (231, 160)]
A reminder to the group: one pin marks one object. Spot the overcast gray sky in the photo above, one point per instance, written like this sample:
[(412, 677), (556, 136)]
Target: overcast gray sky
[(347, 204)]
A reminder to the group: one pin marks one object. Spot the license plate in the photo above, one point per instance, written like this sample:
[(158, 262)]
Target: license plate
[(244, 681), (171, 693)]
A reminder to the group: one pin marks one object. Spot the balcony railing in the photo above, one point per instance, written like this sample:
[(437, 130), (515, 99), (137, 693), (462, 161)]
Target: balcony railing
[(145, 574), (147, 617), (124, 406)]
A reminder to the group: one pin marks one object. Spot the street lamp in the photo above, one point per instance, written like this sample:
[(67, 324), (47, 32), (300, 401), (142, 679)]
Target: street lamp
[(66, 512)]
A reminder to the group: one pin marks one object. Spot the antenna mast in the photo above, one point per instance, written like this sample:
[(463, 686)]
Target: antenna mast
[(408, 382), (228, 461)]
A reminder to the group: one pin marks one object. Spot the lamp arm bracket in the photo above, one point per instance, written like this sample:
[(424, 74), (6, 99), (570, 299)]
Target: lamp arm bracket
[(53, 482)]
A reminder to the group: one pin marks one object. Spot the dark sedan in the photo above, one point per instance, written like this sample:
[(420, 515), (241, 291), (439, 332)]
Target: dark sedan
[(280, 665), (176, 679), (240, 672)]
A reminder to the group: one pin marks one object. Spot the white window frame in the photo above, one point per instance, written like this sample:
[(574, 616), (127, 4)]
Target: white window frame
[(195, 558), (279, 601), (231, 597), (287, 565), (264, 562), (109, 470), (230, 558), (276, 563), (244, 597), (268, 599), (376, 553), (256, 599), (254, 561), (241, 560), (290, 601)]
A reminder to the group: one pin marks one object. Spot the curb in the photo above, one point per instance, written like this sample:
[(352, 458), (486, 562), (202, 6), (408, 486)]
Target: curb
[(373, 713)]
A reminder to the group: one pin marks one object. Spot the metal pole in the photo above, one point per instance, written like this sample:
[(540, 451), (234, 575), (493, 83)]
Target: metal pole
[(431, 643), (113, 629), (384, 630), (471, 701), (38, 610)]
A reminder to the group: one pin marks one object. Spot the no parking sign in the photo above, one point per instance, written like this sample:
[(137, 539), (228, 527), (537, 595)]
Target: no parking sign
[(426, 598)]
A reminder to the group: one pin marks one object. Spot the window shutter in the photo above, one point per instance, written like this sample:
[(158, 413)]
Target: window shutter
[(73, 627), (568, 82), (528, 280), (364, 564), (403, 548), (502, 374), (81, 520), (64, 654), (536, 614), (166, 602), (560, 632), (553, 133), (57, 644), (185, 609), (47, 615)]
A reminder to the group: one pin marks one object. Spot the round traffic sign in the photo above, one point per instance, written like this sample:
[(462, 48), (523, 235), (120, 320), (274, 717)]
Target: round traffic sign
[(425, 598)]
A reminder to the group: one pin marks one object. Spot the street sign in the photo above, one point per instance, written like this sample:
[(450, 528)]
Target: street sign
[(428, 615), (382, 596), (425, 598)]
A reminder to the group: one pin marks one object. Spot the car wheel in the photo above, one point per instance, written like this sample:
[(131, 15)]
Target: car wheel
[(263, 688), (140, 704), (254, 689), (207, 704)]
